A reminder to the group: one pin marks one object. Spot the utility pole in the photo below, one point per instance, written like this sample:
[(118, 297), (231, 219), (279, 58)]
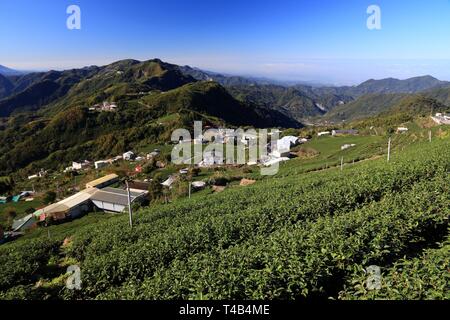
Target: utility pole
[(429, 135), (190, 187), (129, 204), (389, 150), (342, 163)]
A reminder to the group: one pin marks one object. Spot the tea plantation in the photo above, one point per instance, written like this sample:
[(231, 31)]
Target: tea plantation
[(299, 236)]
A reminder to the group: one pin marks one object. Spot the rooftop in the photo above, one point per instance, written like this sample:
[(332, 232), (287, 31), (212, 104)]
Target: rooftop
[(102, 180), (114, 195)]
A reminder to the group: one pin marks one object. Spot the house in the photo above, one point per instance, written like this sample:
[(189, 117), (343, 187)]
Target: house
[(115, 200), (168, 183), (41, 174), (440, 118), (198, 184), (23, 224), (103, 182), (324, 133), (101, 164), (347, 146), (138, 186), (283, 146), (211, 158), (71, 207), (402, 129), (152, 155), (275, 161), (128, 156), (4, 200), (352, 132), (80, 165)]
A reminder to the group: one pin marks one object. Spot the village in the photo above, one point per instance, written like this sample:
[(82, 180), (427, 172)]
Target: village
[(116, 193)]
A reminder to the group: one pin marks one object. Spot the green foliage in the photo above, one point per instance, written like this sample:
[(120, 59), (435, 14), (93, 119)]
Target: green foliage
[(49, 197), (291, 237), (6, 185)]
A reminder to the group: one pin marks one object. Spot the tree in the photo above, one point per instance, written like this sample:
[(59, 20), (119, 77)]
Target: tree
[(11, 214), (6, 184), (49, 197)]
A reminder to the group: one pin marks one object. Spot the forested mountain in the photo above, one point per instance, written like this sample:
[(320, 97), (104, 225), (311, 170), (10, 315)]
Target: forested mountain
[(61, 128)]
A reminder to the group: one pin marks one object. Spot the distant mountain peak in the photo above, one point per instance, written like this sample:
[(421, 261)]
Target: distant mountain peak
[(9, 72)]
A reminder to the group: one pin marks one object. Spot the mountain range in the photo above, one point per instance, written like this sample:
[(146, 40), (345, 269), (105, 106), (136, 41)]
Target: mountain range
[(45, 120), (5, 71)]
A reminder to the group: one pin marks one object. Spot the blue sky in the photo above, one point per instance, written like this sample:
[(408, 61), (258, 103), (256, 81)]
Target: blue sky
[(311, 40)]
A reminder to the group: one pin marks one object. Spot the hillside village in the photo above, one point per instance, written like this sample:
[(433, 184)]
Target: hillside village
[(109, 192)]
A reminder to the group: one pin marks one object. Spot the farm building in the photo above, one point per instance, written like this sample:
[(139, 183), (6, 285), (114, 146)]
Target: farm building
[(324, 133), (115, 200), (24, 223), (335, 133), (71, 207), (103, 182)]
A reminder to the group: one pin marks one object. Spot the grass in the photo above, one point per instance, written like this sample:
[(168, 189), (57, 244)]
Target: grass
[(20, 208)]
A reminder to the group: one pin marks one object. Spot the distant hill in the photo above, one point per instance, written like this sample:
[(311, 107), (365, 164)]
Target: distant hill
[(409, 108), (298, 102), (5, 71), (365, 106), (391, 85)]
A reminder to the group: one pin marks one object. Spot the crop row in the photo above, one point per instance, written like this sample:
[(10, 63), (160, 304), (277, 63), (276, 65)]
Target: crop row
[(419, 278), (216, 225), (304, 260)]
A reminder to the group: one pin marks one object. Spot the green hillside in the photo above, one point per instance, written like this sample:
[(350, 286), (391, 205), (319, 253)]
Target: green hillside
[(291, 236)]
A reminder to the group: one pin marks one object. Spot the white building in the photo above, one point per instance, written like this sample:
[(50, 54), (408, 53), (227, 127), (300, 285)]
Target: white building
[(115, 200), (324, 133), (347, 146), (80, 165), (101, 164), (128, 156)]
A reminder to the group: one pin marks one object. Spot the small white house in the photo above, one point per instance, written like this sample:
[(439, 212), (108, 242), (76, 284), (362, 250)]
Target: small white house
[(128, 156), (402, 129), (347, 146), (324, 133), (101, 164), (80, 165)]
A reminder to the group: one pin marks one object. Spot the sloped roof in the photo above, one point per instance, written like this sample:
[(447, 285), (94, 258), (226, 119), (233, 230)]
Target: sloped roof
[(114, 195), (102, 180)]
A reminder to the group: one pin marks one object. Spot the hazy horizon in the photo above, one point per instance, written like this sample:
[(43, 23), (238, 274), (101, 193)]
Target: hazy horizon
[(315, 41)]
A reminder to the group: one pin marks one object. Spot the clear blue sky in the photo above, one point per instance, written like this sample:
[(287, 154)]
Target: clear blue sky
[(319, 40)]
